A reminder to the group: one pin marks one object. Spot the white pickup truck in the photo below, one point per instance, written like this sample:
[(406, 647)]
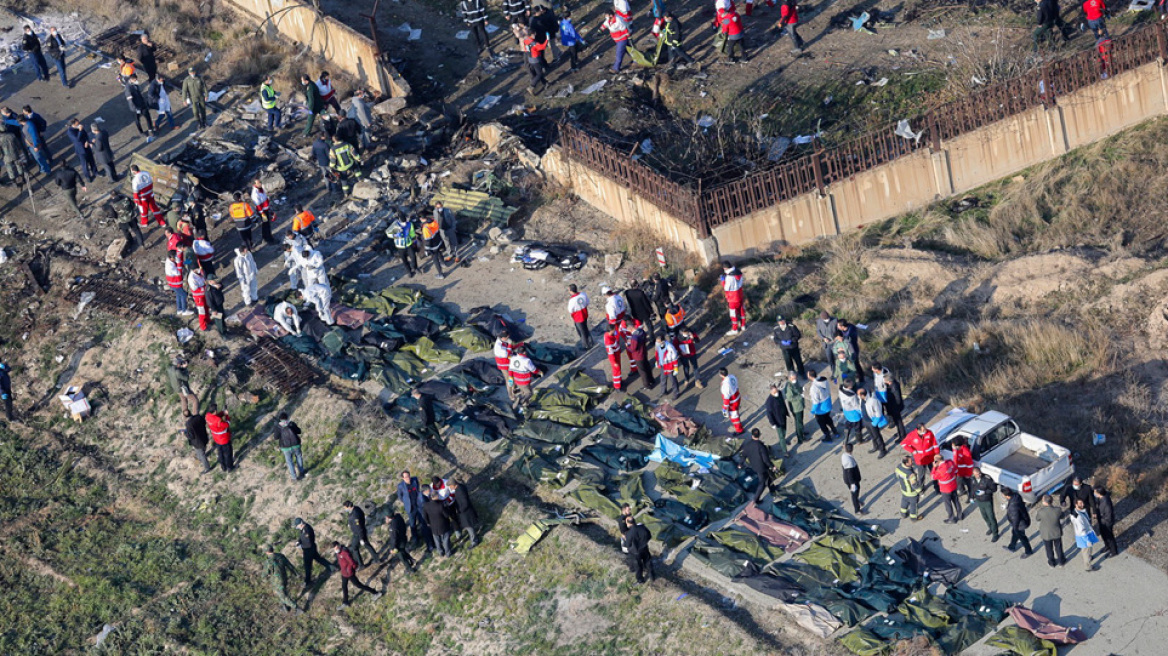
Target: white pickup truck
[(1020, 461)]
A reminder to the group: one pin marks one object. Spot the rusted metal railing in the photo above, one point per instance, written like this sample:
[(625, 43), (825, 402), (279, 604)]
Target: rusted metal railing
[(707, 207)]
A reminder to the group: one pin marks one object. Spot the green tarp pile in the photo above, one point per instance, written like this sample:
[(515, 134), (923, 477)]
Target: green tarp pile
[(591, 496), (724, 560), (748, 543), (429, 352), (471, 338)]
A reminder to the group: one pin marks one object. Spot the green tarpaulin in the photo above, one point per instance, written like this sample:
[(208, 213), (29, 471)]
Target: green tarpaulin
[(1016, 640), (472, 339), (632, 491), (895, 627), (927, 609), (547, 397), (429, 352), (805, 576), (401, 296), (435, 313), (627, 416), (676, 511), (857, 546), (848, 611), (724, 560), (464, 425), (664, 531), (841, 565), (534, 465), (549, 431), (563, 415), (748, 543), (412, 365), (961, 636), (550, 355), (989, 607), (864, 643), (617, 459), (578, 382), (590, 496), (333, 342)]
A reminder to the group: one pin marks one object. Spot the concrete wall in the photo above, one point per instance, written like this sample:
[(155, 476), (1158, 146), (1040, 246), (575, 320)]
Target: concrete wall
[(963, 163), (342, 46)]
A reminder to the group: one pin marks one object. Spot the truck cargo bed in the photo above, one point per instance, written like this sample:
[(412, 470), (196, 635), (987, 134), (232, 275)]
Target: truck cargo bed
[(1023, 462)]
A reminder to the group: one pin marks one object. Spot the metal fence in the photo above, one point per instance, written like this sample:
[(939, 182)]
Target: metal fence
[(706, 208)]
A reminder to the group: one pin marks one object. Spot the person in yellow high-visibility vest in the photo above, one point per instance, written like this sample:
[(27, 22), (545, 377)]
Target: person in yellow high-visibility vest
[(268, 97), (344, 162)]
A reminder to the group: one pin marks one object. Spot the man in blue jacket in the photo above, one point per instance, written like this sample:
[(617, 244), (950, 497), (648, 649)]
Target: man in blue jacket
[(409, 492)]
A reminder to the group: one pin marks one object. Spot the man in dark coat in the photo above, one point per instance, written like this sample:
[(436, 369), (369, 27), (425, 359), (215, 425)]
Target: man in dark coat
[(398, 545), (786, 337), (215, 306), (467, 516), (1019, 519), (84, 150), (196, 434), (851, 335), (776, 414), (360, 536), (13, 152), (852, 477), (1050, 529), (32, 45), (409, 493), (146, 58), (287, 436), (439, 522), (1049, 16), (1105, 520), (137, 103), (306, 542), (984, 488), (661, 291), (641, 309), (68, 180), (102, 152), (1079, 491), (757, 458), (312, 102), (636, 540)]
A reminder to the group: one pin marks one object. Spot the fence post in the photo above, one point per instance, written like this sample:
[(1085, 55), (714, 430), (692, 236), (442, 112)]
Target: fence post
[(817, 165), (934, 132), (1162, 41), (1047, 88), (700, 213)]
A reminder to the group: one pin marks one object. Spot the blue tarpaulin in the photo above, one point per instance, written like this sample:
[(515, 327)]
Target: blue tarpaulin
[(667, 449)]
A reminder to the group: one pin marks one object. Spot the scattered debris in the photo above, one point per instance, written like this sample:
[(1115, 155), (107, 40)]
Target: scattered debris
[(613, 262), (706, 121), (903, 130), (488, 102), (475, 204), (936, 34), (594, 87)]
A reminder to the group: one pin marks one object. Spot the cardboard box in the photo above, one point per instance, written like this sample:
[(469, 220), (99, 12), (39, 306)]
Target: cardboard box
[(75, 403)]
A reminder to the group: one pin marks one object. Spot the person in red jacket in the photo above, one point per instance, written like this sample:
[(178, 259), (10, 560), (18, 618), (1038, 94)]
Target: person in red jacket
[(749, 11), (963, 458), (219, 425), (618, 29), (687, 352), (638, 348), (503, 351), (613, 347), (728, 22), (667, 361), (523, 370), (578, 310), (922, 446), (349, 574), (735, 297), (1095, 11), (945, 477), (198, 286), (788, 19), (534, 55)]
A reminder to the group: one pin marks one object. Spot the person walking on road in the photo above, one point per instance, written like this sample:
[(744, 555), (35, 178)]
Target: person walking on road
[(277, 569), (819, 394), (1085, 537), (757, 458), (31, 45), (103, 154), (796, 404), (349, 569), (139, 106), (944, 475), (578, 310), (667, 359), (731, 399), (360, 536), (852, 478), (776, 414), (984, 488), (474, 14), (246, 274), (787, 336), (874, 420), (886, 388), (614, 347), (194, 93), (82, 148), (1019, 520), (910, 489), (1105, 520), (448, 225), (288, 438), (1050, 529), (313, 103), (825, 330), (306, 542)]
